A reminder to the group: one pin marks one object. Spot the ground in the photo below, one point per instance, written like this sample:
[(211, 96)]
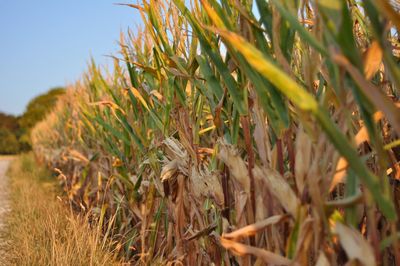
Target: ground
[(4, 204)]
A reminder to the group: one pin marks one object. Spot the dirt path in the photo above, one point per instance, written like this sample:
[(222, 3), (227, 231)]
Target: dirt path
[(4, 205)]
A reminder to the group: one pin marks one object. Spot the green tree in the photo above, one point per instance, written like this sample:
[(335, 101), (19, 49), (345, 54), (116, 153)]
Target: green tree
[(36, 110), (8, 142), (9, 134), (15, 131), (9, 121), (38, 107)]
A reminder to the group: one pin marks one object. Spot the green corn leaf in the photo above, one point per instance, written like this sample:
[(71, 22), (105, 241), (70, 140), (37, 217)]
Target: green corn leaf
[(303, 100)]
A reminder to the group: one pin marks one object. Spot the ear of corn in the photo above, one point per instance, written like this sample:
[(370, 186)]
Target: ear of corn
[(233, 130)]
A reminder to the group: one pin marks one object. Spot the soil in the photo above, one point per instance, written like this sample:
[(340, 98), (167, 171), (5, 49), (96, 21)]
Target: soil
[(4, 207)]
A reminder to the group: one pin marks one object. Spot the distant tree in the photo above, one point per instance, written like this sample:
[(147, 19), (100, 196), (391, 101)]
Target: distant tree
[(38, 107), (9, 121), (9, 134), (15, 131), (8, 142)]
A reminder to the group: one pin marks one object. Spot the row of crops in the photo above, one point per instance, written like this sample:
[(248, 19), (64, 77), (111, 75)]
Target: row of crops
[(239, 132)]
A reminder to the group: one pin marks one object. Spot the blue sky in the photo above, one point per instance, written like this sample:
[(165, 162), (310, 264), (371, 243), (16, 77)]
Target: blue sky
[(48, 43)]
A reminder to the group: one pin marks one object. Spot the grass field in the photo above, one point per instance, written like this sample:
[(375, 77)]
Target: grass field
[(41, 229), (7, 157)]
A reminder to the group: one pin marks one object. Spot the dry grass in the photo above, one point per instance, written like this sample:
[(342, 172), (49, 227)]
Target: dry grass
[(6, 157), (42, 231)]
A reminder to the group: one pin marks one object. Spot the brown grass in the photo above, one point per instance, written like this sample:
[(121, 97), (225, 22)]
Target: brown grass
[(41, 229), (7, 157)]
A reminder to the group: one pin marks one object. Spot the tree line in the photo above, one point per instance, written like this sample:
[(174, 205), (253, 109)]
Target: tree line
[(15, 130)]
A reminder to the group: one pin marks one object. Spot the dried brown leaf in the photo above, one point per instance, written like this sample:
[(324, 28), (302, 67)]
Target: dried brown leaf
[(279, 188), (341, 166), (76, 155), (265, 255), (252, 229), (304, 240), (180, 214), (303, 158), (241, 200), (274, 181), (236, 165), (390, 9), (205, 184), (322, 260), (372, 59), (169, 170), (379, 99), (354, 244), (260, 135)]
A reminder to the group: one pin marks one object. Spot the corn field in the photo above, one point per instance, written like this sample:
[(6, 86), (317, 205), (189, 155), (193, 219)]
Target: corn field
[(240, 133)]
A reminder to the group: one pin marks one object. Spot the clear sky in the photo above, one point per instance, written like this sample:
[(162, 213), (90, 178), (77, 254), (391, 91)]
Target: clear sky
[(48, 43)]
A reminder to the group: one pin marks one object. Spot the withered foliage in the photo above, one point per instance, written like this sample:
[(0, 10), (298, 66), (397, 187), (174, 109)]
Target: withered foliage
[(240, 132)]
